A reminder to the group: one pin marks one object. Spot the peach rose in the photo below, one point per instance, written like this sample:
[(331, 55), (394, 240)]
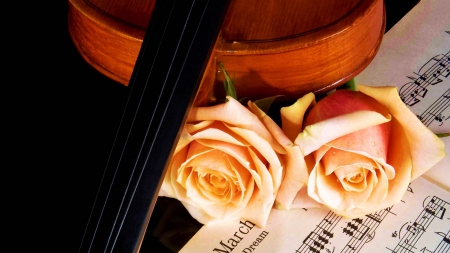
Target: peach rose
[(228, 164), (361, 149)]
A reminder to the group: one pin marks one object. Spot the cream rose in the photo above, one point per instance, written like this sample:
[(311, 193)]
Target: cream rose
[(228, 164), (361, 150)]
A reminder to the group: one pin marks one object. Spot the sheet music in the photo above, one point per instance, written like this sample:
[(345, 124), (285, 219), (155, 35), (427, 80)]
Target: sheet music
[(419, 223), (416, 58)]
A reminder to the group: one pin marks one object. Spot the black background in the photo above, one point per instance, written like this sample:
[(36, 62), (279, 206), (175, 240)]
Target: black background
[(60, 117)]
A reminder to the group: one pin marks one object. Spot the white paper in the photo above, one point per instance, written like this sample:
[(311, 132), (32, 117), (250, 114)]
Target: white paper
[(419, 223)]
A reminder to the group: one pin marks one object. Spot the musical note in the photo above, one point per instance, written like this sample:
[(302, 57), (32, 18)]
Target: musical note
[(358, 220), (433, 209), (355, 227), (425, 250), (318, 244), (312, 249), (350, 247), (362, 230), (411, 229), (348, 232), (317, 239), (323, 239), (446, 240), (430, 211), (328, 233), (434, 111), (442, 247), (370, 236), (431, 73), (410, 189)]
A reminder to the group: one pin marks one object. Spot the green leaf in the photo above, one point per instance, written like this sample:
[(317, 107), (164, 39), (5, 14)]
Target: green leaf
[(350, 85), (265, 103), (228, 84), (443, 135)]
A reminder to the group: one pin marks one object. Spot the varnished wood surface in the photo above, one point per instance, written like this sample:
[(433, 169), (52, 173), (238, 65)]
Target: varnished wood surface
[(109, 34), (270, 47), (316, 57)]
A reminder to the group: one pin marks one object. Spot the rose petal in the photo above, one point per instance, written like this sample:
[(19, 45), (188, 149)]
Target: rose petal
[(426, 148), (400, 159), (257, 208), (223, 187), (261, 203), (318, 155), (292, 116), (241, 154), (224, 135), (389, 192), (238, 152), (169, 182), (194, 127), (185, 139), (273, 128), (335, 158), (216, 187), (318, 134), (372, 140), (303, 200), (212, 162), (295, 171), (329, 191), (225, 211), (265, 149), (177, 162), (390, 171), (234, 113), (199, 156), (295, 178), (374, 203), (353, 176)]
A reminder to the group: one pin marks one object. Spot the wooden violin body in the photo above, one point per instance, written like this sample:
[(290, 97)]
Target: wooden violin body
[(271, 47)]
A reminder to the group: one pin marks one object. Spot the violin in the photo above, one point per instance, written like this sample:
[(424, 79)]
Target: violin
[(172, 63), (272, 47)]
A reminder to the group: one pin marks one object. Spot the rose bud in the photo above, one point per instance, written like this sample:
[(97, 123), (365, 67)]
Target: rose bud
[(362, 149), (227, 165)]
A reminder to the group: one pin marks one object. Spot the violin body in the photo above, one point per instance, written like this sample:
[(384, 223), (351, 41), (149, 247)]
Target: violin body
[(271, 47), (109, 34)]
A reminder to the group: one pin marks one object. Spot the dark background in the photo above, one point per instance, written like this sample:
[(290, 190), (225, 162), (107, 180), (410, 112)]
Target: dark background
[(61, 119)]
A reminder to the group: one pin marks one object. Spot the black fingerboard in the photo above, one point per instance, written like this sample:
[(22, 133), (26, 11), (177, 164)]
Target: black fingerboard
[(173, 56)]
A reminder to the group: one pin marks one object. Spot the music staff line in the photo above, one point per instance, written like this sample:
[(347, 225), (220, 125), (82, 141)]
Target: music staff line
[(434, 111), (431, 73), (444, 244), (317, 239), (364, 230), (435, 208), (360, 230)]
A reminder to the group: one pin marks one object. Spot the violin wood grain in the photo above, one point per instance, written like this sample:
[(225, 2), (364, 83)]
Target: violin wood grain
[(271, 47), (109, 34)]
